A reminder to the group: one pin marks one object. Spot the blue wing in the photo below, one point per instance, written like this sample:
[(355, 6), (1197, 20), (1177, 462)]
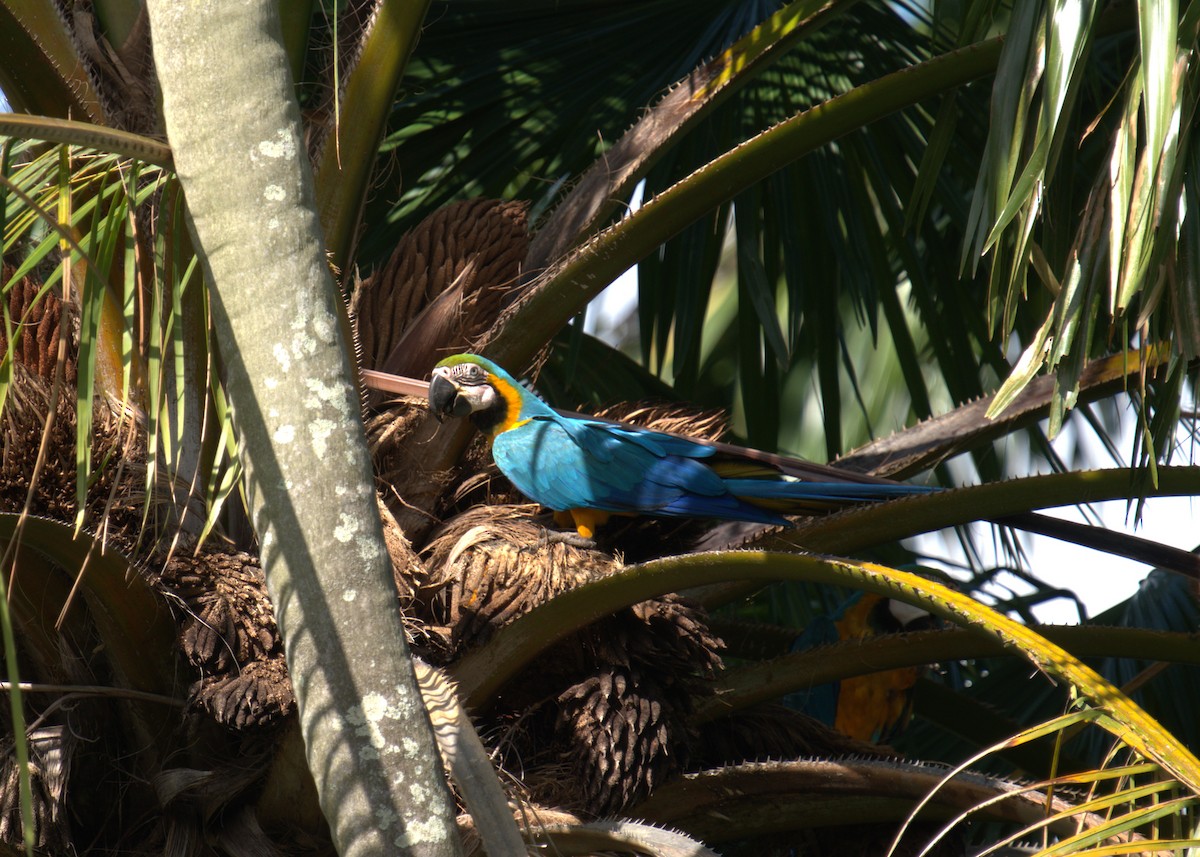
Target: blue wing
[(570, 464), (566, 463)]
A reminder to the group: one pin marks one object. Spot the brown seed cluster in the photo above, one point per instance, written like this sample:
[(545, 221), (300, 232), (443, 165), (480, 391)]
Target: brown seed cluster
[(37, 320), (602, 717), (453, 271), (228, 633)]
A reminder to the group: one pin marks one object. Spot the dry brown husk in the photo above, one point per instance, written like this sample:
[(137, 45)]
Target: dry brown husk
[(396, 438), (455, 271), (116, 492), (492, 564), (229, 636), (675, 417), (601, 717)]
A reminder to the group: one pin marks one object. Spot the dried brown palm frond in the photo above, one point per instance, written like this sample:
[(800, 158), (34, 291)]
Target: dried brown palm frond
[(397, 437), (411, 578), (228, 634), (51, 749), (408, 571), (391, 436), (455, 270), (116, 490)]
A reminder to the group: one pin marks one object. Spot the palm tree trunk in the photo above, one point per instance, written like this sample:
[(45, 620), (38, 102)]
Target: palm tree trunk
[(234, 127)]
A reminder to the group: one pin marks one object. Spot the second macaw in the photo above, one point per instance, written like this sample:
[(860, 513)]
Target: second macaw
[(592, 469), (872, 707)]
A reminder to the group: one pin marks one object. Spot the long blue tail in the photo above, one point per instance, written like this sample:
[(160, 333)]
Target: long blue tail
[(789, 496)]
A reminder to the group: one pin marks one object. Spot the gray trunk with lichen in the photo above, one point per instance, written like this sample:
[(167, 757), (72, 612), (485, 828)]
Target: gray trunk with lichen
[(235, 130)]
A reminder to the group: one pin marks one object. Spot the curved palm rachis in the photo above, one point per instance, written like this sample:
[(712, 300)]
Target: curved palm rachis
[(592, 469)]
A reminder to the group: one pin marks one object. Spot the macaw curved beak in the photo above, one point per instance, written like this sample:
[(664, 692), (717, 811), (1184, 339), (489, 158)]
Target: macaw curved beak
[(444, 398)]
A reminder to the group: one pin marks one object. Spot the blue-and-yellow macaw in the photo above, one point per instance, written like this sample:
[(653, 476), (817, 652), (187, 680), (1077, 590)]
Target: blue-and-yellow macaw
[(592, 469), (875, 706)]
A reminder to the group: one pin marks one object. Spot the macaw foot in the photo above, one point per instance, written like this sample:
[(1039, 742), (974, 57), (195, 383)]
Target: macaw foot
[(586, 521)]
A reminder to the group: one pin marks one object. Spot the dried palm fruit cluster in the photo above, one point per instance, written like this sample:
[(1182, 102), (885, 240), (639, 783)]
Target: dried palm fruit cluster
[(38, 322), (455, 269), (626, 729), (613, 700), (493, 564), (228, 633)]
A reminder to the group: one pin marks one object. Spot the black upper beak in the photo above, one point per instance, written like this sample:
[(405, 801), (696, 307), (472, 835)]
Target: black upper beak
[(444, 399)]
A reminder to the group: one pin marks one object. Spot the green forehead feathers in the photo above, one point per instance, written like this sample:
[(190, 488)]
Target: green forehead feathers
[(456, 359)]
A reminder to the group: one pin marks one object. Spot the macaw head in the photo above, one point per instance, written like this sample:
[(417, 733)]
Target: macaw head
[(467, 385)]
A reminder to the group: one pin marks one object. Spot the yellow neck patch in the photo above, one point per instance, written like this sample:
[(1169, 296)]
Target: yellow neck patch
[(512, 401)]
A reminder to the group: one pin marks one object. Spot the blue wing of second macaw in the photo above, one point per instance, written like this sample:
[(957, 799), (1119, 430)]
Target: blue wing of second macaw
[(819, 701)]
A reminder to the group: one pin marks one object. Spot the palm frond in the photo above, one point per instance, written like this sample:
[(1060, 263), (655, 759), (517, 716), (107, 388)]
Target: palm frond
[(82, 214), (543, 88)]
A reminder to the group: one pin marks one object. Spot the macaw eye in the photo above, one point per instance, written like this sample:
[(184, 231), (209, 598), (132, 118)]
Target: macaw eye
[(469, 373)]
